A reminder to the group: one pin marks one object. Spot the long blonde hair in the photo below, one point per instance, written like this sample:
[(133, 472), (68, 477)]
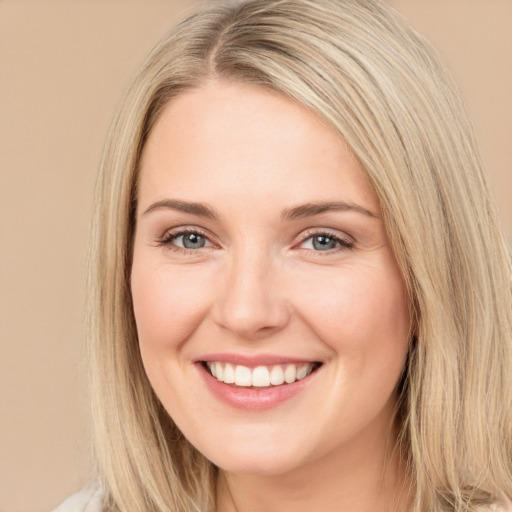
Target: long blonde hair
[(362, 69)]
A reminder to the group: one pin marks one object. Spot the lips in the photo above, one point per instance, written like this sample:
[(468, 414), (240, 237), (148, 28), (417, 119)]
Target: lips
[(256, 383)]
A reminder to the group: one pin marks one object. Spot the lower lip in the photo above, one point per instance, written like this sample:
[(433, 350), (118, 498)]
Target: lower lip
[(254, 399)]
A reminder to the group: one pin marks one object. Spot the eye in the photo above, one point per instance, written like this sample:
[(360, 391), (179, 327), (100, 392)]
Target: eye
[(188, 240), (324, 242)]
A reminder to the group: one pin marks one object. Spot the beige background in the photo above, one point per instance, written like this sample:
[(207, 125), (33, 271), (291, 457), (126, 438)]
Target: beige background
[(63, 66)]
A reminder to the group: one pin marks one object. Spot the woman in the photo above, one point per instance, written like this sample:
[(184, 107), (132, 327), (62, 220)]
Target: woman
[(301, 297)]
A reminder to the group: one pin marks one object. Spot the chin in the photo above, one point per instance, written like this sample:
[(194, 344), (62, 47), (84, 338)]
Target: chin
[(267, 465), (255, 458)]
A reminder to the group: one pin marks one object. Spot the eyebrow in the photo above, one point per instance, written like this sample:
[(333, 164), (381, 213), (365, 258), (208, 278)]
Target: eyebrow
[(297, 212), (310, 209), (199, 209)]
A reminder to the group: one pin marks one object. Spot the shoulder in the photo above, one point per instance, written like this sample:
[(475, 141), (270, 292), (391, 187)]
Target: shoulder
[(87, 500)]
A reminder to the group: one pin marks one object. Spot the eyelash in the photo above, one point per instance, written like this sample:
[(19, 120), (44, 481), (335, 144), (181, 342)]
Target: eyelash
[(344, 243)]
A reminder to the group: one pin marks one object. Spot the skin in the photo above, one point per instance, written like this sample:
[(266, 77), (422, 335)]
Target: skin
[(260, 286)]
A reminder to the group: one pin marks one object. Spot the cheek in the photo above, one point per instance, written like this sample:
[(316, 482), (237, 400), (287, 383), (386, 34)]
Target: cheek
[(168, 305), (362, 314)]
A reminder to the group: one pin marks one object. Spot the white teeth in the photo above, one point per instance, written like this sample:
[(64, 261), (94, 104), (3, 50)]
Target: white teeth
[(261, 376), (290, 374), (302, 371), (219, 372), (276, 376), (229, 374), (243, 376)]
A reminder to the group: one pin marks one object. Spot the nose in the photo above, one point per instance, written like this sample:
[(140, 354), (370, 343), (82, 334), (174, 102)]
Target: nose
[(251, 304)]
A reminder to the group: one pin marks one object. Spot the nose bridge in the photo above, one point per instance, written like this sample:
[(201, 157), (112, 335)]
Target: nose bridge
[(251, 304)]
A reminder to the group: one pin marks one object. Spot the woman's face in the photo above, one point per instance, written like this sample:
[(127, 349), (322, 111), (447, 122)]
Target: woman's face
[(260, 255)]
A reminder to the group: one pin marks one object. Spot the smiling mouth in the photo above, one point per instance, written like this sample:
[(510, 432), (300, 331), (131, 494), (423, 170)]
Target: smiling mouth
[(259, 376)]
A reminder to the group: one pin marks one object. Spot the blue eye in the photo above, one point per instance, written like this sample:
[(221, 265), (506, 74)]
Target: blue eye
[(323, 242), (191, 240), (188, 240)]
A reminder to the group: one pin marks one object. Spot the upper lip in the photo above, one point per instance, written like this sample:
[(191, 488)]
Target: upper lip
[(254, 360)]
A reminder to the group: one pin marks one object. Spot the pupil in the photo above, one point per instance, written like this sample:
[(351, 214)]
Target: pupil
[(324, 243), (193, 241)]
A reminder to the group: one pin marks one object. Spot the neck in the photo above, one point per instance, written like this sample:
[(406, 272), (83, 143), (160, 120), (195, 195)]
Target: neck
[(362, 476)]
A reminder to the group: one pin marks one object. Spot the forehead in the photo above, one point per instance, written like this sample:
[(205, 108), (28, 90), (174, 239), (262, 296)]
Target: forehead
[(230, 138)]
